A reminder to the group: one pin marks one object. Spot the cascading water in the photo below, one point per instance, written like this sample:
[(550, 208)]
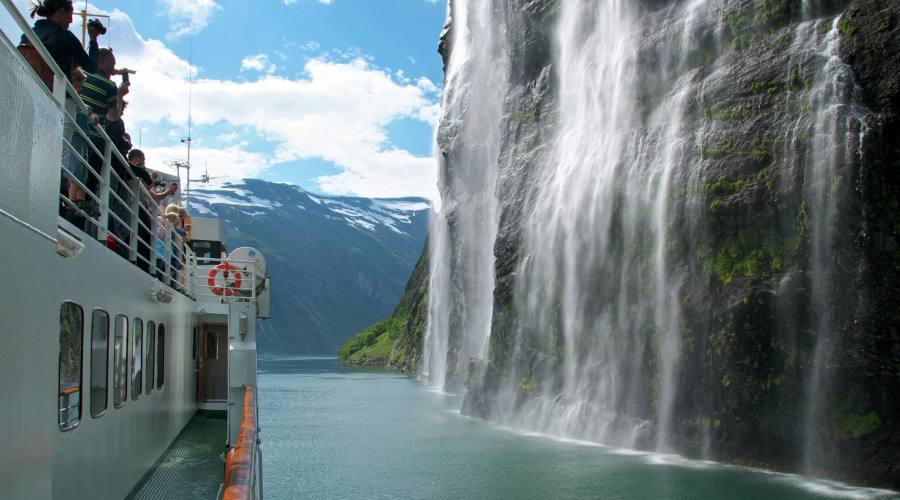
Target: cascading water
[(463, 233), (606, 196), (836, 129), (649, 244)]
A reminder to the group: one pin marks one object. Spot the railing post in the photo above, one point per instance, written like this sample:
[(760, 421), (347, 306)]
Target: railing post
[(189, 275), (168, 258), (135, 186), (103, 192), (153, 237), (59, 89)]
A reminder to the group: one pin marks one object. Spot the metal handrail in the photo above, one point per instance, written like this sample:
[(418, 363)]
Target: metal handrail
[(241, 466), (62, 93)]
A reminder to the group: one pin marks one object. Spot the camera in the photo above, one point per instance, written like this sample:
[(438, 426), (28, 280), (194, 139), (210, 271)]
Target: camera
[(96, 24)]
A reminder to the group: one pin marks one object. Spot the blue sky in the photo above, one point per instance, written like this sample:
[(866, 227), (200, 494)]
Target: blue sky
[(337, 96)]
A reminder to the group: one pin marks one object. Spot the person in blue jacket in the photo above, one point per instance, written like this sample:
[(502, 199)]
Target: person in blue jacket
[(63, 45)]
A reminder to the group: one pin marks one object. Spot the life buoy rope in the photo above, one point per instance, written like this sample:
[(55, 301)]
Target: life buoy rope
[(228, 271)]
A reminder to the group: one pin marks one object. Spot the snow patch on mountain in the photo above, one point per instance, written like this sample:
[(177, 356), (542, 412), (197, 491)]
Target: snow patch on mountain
[(362, 213)]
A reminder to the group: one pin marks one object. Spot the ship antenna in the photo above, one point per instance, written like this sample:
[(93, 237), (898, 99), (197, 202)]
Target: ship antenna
[(187, 189)]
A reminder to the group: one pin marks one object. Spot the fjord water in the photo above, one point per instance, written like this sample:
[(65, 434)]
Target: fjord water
[(334, 432)]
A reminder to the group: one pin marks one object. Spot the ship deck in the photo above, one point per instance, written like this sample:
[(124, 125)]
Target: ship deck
[(192, 467)]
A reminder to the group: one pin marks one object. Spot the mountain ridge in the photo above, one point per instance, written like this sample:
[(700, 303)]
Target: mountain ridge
[(338, 263)]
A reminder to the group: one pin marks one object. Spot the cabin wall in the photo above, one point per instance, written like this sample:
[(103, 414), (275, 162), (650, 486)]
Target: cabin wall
[(104, 457), (30, 155)]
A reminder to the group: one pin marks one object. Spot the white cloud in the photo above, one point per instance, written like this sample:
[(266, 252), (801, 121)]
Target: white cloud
[(258, 62), (228, 136), (292, 2), (337, 110), (188, 16)]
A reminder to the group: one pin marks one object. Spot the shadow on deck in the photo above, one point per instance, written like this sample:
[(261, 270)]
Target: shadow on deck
[(192, 467)]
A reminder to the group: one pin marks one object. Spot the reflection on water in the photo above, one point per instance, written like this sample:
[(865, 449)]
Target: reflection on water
[(337, 432)]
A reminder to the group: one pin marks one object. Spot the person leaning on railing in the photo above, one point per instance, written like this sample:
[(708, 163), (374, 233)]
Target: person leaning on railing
[(185, 223), (122, 227), (136, 160), (178, 234)]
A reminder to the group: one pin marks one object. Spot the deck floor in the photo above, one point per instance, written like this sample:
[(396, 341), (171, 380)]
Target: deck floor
[(192, 467)]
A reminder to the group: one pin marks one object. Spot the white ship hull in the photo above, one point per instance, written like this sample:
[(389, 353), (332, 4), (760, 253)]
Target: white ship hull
[(47, 452)]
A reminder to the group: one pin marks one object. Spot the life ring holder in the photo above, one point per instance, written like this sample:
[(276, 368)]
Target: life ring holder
[(226, 269)]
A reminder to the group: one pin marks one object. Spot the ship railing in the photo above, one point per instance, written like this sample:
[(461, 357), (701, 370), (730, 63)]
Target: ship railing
[(120, 211), (223, 279), (69, 407), (243, 462)]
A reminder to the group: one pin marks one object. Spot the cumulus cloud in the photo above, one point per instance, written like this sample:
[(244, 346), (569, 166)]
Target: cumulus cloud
[(292, 2), (338, 110), (219, 161), (188, 16), (258, 62)]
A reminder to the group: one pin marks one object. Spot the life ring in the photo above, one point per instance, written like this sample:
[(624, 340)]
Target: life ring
[(230, 289)]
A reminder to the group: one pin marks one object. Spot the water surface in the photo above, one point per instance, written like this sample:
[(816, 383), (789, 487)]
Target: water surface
[(333, 432)]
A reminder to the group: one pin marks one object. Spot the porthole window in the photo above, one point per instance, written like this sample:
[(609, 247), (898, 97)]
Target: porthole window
[(137, 360), (161, 356), (99, 362), (71, 338), (151, 355), (120, 362)]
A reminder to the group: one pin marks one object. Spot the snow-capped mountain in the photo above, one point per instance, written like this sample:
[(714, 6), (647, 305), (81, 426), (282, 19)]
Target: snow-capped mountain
[(338, 264)]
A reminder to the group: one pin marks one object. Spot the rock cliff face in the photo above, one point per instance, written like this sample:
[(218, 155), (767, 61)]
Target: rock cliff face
[(673, 225)]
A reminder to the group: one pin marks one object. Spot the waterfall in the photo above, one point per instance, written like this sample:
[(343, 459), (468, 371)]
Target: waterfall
[(462, 262), (836, 130), (665, 231)]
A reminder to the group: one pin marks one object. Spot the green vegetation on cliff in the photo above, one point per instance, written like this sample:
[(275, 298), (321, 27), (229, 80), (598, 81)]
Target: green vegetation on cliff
[(397, 341)]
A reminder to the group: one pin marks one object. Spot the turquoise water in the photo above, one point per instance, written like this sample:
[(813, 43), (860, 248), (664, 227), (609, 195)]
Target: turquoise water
[(332, 432)]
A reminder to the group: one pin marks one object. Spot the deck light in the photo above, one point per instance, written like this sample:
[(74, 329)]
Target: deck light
[(162, 295), (68, 245)]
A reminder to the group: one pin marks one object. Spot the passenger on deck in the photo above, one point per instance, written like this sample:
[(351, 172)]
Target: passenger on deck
[(101, 93), (136, 160), (74, 158), (160, 248), (185, 223), (165, 193), (104, 98), (63, 46), (178, 238)]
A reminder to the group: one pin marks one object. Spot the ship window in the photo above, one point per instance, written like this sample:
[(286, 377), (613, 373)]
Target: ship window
[(71, 338), (202, 251), (120, 362), (137, 360), (151, 354), (99, 362), (161, 357)]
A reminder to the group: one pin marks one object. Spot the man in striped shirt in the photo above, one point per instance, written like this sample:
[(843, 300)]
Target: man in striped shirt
[(105, 99), (102, 94)]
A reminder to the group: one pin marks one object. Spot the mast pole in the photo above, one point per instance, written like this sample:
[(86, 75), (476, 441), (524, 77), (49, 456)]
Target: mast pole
[(187, 189), (84, 24)]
